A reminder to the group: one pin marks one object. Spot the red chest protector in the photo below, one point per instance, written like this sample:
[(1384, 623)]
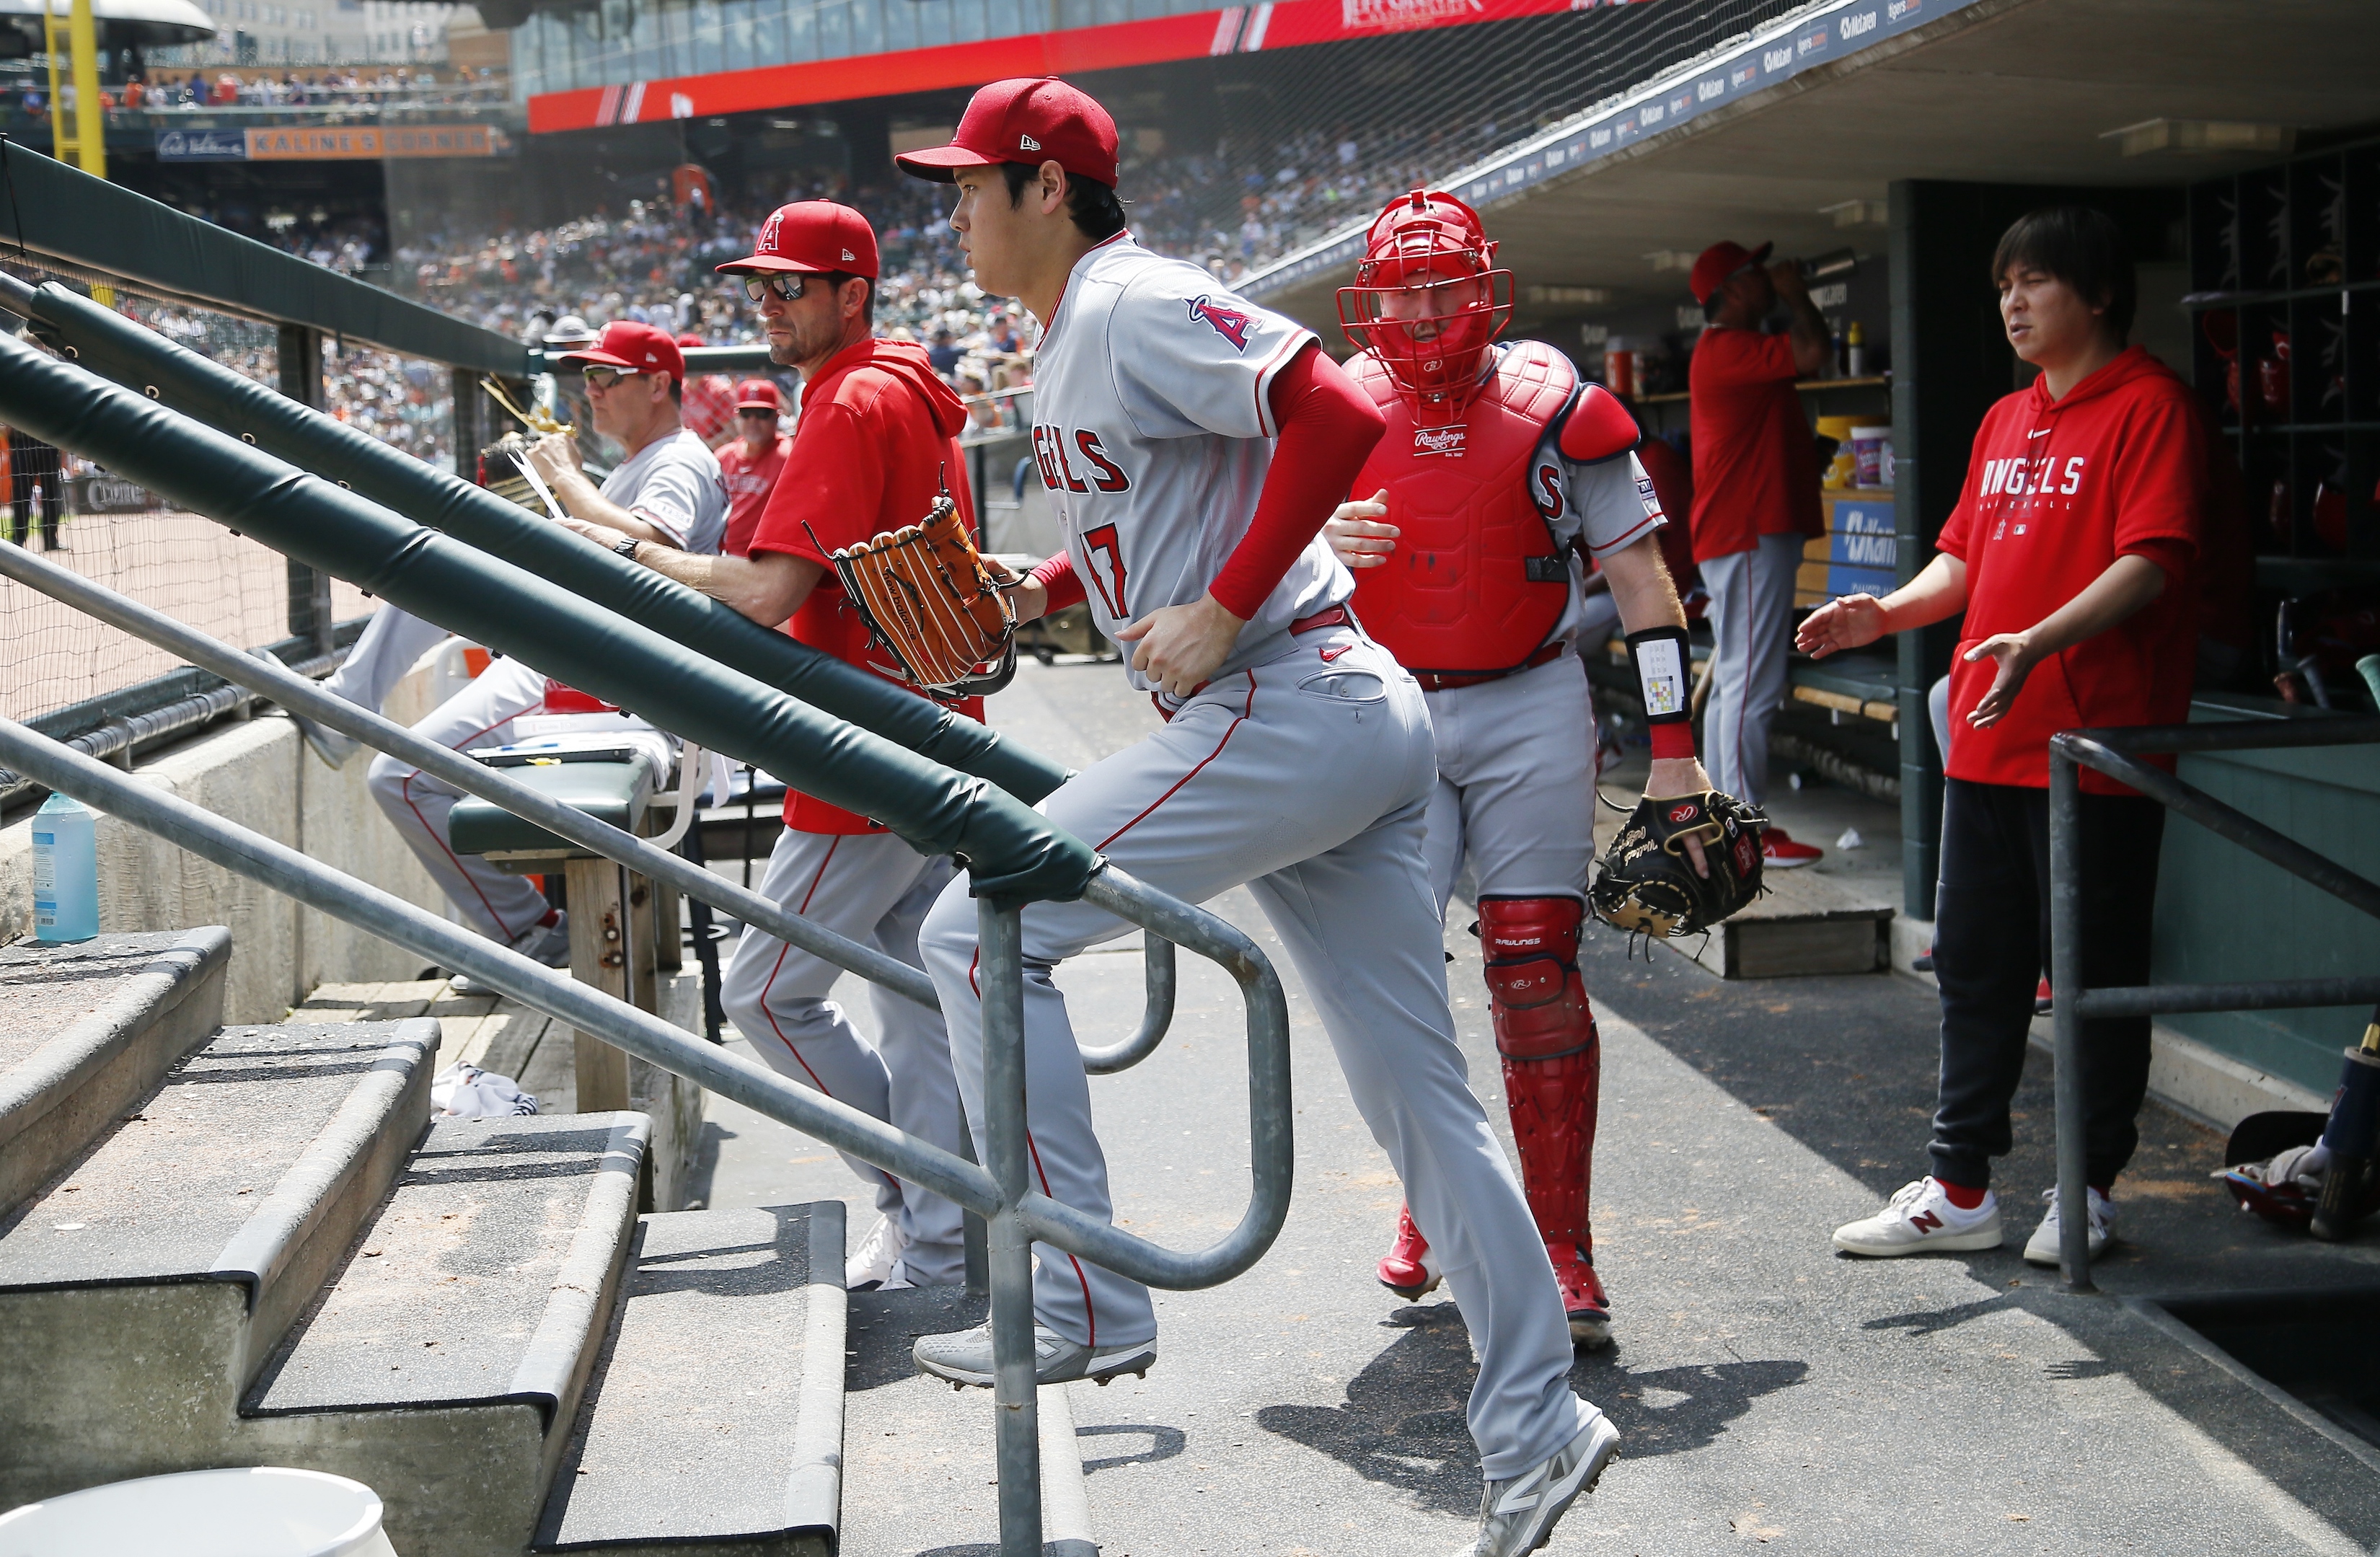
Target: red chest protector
[(1476, 581)]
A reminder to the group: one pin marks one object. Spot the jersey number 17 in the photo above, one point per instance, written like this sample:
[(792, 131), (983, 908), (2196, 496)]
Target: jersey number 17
[(1105, 555)]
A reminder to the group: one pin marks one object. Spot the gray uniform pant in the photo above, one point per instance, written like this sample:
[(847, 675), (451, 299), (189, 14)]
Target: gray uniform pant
[(1751, 605), (875, 889), (1515, 786), (393, 640), (1307, 780)]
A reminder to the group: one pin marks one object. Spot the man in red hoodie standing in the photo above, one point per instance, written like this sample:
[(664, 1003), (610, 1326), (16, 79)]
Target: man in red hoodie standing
[(2073, 551), (875, 444)]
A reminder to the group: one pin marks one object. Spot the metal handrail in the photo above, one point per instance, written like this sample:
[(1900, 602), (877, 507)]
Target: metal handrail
[(2114, 753), (295, 692), (1001, 1193)]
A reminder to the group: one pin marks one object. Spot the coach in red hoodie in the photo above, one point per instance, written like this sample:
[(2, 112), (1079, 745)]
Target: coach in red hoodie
[(876, 442), (2073, 551)]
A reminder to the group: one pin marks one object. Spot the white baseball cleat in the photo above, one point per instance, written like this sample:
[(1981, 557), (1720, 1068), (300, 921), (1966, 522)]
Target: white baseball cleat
[(547, 943), (1919, 1218), (2042, 1247), (878, 1259), (963, 1356), (1517, 1516)]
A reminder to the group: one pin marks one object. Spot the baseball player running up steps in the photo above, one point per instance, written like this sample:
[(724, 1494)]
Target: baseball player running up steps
[(870, 454), (1496, 466), (666, 486), (1193, 445)]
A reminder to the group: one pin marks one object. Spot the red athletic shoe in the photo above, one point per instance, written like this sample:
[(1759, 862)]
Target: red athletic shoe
[(1583, 1299), (1407, 1268), (1782, 853), (2040, 1000)]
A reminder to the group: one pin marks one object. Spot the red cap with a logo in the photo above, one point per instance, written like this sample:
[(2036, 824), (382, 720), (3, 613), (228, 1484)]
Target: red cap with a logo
[(1031, 119), (1719, 264), (811, 237), (636, 348), (758, 395)]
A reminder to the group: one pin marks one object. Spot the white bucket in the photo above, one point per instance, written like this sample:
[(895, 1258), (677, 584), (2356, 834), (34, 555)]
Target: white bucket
[(264, 1512)]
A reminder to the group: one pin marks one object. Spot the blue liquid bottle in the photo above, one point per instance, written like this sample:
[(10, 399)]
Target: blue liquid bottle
[(66, 871)]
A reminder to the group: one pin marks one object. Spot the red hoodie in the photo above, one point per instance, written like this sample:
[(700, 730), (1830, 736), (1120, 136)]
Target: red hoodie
[(877, 439), (2056, 492)]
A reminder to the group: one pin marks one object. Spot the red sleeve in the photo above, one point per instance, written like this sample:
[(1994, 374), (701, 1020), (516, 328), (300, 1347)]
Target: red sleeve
[(834, 488), (2161, 486), (1328, 428), (1730, 358), (1057, 575)]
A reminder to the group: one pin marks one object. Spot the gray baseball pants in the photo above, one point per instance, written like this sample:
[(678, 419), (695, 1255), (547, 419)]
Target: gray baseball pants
[(1308, 780), (874, 889), (1751, 608), (1516, 785), (392, 641)]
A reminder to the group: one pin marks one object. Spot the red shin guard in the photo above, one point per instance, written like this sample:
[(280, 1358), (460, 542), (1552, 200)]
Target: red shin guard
[(1553, 1060)]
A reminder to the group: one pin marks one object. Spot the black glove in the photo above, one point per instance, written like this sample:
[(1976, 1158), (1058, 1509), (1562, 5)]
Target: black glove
[(1649, 883)]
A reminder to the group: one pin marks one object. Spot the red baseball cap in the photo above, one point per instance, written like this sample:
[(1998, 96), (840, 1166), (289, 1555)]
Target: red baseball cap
[(1026, 119), (811, 237), (758, 395), (638, 348), (689, 338), (1719, 264)]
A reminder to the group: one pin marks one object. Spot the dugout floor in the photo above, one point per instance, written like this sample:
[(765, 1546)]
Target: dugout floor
[(1771, 1393)]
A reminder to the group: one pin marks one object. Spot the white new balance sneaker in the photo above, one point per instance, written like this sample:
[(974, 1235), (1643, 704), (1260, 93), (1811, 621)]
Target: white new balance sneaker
[(2042, 1247), (1919, 1218), (547, 943), (963, 1356), (878, 1259), (1517, 1515)]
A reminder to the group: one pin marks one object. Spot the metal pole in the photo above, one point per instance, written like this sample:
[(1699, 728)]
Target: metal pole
[(1157, 961), (2066, 1017), (299, 357), (1014, 1384)]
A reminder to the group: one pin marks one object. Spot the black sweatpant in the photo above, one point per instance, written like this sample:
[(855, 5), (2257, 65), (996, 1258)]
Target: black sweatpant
[(1991, 942)]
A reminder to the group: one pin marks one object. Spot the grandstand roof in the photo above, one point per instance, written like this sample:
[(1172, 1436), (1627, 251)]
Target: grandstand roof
[(151, 21)]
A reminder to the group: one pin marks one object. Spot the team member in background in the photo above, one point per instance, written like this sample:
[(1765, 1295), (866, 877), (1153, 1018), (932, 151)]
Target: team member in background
[(873, 446), (1194, 445), (2073, 551), (1497, 465), (709, 402), (751, 461), (667, 486), (1756, 498)]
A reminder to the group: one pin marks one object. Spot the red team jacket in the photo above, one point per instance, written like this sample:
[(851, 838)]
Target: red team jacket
[(2056, 492), (748, 482), (878, 437)]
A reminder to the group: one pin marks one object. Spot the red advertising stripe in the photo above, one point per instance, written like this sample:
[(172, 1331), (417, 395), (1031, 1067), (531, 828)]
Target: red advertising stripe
[(1152, 42)]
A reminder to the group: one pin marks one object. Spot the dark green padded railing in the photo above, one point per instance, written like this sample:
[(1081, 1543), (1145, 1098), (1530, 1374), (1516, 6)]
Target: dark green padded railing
[(141, 359), (1013, 852), (63, 213)]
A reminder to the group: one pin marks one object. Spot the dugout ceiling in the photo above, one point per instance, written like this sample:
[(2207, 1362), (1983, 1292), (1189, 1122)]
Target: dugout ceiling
[(1997, 91)]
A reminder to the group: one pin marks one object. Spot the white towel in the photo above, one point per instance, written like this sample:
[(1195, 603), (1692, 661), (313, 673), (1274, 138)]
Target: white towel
[(462, 1091)]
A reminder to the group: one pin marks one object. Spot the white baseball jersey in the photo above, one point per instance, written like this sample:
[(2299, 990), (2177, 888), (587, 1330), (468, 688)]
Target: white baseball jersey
[(1152, 432)]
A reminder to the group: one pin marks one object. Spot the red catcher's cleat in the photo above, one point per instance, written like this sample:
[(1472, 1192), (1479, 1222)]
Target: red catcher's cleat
[(1583, 1299), (1407, 1268)]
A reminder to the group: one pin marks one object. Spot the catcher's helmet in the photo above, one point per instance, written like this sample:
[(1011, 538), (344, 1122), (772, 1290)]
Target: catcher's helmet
[(1428, 300)]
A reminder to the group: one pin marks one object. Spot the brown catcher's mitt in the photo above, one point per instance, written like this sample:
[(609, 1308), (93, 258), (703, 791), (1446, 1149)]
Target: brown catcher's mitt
[(1647, 882), (929, 597)]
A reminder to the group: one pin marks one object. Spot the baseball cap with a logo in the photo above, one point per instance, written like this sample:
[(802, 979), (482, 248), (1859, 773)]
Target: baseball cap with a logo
[(758, 395), (1027, 119), (811, 237), (1719, 264), (633, 347)]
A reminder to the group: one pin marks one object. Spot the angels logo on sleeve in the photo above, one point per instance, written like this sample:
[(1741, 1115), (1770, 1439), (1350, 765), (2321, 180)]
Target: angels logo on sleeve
[(1229, 323)]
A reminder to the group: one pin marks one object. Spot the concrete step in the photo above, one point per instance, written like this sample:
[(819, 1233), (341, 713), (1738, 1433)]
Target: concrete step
[(144, 1283), (714, 1421), (87, 1029), (444, 1364), (1809, 921)]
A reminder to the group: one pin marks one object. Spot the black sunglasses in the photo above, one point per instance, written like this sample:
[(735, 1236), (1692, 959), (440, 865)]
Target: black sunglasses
[(788, 287)]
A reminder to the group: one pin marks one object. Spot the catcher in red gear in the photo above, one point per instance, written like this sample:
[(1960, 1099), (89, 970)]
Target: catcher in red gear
[(1501, 472)]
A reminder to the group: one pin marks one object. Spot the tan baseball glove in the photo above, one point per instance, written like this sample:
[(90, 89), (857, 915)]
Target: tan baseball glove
[(927, 595)]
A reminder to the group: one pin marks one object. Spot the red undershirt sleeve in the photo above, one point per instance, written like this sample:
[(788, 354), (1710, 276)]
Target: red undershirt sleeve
[(1328, 428), (1057, 575)]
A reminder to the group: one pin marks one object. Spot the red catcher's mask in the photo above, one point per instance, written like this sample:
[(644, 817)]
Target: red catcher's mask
[(1427, 301)]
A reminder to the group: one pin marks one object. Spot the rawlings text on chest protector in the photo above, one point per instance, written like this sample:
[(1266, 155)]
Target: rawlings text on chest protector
[(1476, 580)]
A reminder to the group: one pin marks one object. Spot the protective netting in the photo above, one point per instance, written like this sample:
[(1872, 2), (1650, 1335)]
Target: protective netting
[(120, 535)]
